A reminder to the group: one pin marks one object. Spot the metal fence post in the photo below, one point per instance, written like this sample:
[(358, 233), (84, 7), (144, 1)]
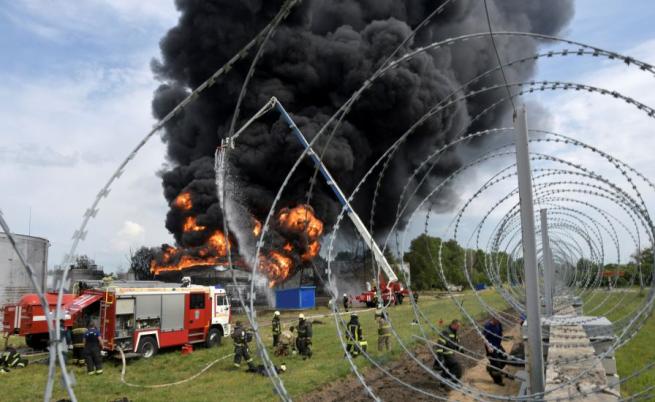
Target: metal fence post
[(535, 347)]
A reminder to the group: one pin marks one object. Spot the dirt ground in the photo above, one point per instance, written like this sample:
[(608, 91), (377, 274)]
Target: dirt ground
[(408, 371)]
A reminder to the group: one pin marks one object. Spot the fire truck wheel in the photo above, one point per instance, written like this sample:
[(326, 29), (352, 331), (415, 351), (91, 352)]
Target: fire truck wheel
[(148, 347), (213, 338)]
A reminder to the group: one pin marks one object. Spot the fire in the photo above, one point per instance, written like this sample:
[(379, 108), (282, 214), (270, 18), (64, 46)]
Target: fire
[(256, 227), (276, 266), (312, 251), (301, 219), (183, 201), (299, 225), (219, 243), (190, 225), (213, 252)]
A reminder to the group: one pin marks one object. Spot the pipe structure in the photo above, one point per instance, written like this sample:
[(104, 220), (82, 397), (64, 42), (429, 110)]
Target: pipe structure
[(547, 265), (535, 347)]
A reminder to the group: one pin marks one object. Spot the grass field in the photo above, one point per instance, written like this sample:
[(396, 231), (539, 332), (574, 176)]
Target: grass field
[(639, 351), (222, 382)]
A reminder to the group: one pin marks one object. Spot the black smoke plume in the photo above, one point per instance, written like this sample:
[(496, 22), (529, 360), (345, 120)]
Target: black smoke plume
[(318, 57)]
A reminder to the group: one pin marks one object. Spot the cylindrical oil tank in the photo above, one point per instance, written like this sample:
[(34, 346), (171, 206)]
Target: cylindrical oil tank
[(14, 281)]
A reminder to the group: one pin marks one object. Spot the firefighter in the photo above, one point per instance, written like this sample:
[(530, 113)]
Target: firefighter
[(11, 359), (241, 337), (78, 342), (92, 347), (447, 344), (304, 340), (493, 333), (286, 342), (346, 302), (277, 328), (354, 334), (261, 369), (384, 332)]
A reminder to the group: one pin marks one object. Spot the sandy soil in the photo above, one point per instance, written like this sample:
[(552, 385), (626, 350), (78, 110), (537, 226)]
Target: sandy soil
[(407, 370)]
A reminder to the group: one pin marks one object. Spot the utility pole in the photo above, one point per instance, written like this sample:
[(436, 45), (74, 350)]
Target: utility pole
[(535, 347), (547, 255)]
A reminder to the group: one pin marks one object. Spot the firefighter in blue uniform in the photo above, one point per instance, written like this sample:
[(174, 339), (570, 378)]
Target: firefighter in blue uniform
[(92, 347), (447, 344), (493, 333)]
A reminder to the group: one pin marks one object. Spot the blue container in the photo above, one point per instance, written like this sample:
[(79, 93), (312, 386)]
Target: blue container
[(295, 298), (480, 286)]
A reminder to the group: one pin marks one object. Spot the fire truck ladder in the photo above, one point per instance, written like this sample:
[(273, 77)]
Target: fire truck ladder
[(105, 306), (274, 103)]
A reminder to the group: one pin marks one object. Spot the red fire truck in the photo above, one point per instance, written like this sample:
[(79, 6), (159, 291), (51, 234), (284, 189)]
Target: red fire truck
[(145, 319), (27, 318), (391, 293), (138, 317)]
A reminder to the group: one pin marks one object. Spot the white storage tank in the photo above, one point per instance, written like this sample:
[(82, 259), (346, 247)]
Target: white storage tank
[(14, 281)]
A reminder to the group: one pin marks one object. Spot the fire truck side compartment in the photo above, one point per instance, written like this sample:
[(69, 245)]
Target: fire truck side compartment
[(172, 318), (148, 311)]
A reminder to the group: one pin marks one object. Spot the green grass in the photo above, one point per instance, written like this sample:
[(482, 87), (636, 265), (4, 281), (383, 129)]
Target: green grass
[(639, 351), (222, 382)]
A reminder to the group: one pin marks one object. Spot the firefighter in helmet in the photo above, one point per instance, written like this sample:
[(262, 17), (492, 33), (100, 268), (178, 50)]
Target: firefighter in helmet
[(304, 340), (92, 347), (354, 335), (346, 302), (241, 337), (447, 344), (277, 328)]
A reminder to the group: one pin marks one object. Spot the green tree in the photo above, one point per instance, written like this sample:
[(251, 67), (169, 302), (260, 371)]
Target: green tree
[(422, 259)]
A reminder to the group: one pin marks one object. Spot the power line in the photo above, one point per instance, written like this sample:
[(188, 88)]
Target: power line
[(500, 64)]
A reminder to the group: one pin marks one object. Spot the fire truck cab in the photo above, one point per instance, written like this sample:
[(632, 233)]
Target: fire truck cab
[(144, 320), (27, 318)]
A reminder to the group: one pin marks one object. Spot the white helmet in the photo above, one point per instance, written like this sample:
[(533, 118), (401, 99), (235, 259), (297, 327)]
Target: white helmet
[(345, 295), (277, 313), (301, 316)]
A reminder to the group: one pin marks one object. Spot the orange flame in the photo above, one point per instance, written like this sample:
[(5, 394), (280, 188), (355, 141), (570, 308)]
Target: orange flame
[(219, 243), (276, 266), (312, 251), (183, 201), (257, 227), (190, 225), (179, 258), (288, 248), (301, 219)]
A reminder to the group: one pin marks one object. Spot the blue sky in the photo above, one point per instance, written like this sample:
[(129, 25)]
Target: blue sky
[(75, 98)]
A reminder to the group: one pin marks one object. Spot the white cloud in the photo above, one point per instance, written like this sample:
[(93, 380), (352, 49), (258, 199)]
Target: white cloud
[(59, 20), (130, 236), (131, 230), (64, 136)]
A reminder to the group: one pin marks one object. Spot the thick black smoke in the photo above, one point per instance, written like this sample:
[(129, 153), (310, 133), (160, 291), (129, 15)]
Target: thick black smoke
[(320, 55)]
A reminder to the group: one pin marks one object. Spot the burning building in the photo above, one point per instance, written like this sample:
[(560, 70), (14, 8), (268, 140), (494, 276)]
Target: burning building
[(200, 246)]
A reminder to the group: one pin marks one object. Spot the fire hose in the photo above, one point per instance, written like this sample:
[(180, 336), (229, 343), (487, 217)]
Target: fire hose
[(196, 375)]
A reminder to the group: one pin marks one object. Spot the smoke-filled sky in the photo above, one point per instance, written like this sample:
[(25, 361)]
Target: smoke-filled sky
[(319, 56), (77, 89)]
